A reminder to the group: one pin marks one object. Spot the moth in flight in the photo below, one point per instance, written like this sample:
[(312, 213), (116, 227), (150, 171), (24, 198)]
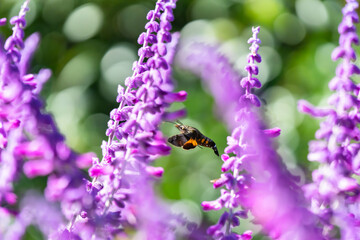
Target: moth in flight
[(190, 137)]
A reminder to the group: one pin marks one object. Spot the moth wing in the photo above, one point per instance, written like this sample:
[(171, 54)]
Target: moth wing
[(177, 140), (190, 144)]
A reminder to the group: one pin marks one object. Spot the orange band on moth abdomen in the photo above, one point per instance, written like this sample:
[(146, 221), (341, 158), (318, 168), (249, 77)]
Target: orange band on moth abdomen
[(193, 141)]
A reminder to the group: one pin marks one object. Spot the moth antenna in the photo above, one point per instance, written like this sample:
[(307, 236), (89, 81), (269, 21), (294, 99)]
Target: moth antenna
[(170, 122), (178, 121)]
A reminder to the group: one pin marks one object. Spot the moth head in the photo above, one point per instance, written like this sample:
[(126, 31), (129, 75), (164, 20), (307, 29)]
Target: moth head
[(181, 127)]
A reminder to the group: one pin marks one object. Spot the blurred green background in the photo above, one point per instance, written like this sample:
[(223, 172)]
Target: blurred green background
[(90, 47)]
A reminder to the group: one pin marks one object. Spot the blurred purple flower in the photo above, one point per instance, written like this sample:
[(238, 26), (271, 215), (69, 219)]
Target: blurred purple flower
[(15, 98), (273, 197), (3, 21), (15, 41), (334, 192), (36, 211), (30, 141), (255, 179), (123, 180)]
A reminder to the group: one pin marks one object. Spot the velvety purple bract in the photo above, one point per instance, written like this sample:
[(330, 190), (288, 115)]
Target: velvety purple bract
[(334, 192), (123, 180), (250, 82), (30, 141)]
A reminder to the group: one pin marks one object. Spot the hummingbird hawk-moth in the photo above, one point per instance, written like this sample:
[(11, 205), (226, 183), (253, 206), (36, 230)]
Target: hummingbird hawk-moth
[(190, 137)]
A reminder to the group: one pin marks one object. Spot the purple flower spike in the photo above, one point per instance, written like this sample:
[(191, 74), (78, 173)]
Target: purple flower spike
[(15, 103), (233, 181), (250, 82), (30, 141), (334, 191), (15, 42), (36, 211), (255, 179), (274, 199), (135, 141)]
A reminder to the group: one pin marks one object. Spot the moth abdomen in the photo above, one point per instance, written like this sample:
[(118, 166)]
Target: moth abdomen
[(205, 141)]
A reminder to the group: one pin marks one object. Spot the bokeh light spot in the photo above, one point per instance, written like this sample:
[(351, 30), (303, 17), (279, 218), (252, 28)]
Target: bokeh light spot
[(272, 60), (263, 11), (289, 29), (83, 23), (323, 59), (80, 70), (224, 28), (116, 65), (234, 48), (312, 12), (68, 107), (117, 53), (282, 109), (199, 30), (333, 8)]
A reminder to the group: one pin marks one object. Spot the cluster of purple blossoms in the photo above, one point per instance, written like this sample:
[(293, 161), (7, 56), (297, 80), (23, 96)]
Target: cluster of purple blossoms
[(30, 141), (334, 192), (236, 182), (122, 180), (250, 82), (120, 196)]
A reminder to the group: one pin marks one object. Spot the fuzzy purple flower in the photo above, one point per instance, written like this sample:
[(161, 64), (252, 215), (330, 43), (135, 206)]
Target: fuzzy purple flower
[(15, 96), (34, 210), (31, 142), (270, 193), (250, 81), (334, 192), (122, 181), (15, 42)]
